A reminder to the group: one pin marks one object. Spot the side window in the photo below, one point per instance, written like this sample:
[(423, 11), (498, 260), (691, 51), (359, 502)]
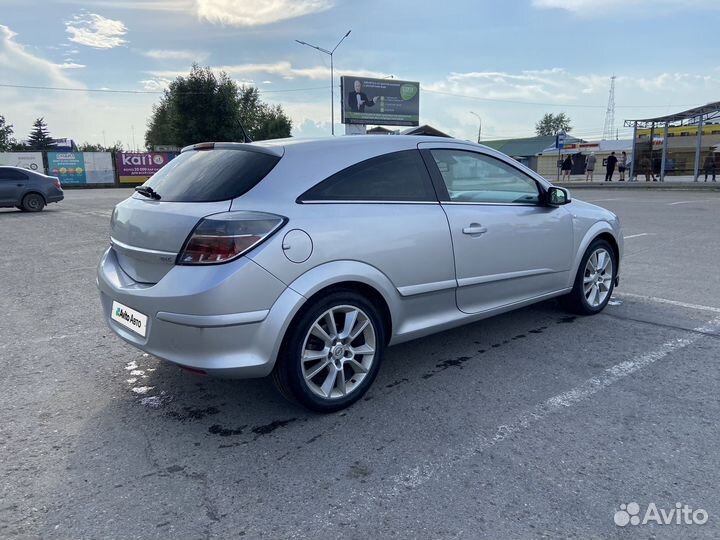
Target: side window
[(12, 174), (473, 177), (400, 176)]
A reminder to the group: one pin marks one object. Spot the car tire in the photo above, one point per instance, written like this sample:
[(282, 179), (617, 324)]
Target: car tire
[(331, 353), (595, 280), (33, 202)]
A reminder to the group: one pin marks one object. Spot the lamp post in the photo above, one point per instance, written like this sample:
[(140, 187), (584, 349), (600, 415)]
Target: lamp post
[(479, 126), (332, 79)]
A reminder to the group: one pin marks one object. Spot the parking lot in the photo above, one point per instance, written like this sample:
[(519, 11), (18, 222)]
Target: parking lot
[(532, 424)]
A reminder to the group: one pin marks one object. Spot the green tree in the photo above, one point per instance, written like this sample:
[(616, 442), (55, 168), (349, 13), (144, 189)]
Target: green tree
[(89, 147), (552, 124), (207, 107), (39, 138), (6, 135)]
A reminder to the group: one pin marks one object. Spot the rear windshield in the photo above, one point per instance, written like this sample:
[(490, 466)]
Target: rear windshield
[(211, 175)]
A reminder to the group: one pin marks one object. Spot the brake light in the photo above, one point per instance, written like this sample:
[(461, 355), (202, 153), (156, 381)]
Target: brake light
[(56, 183), (223, 237)]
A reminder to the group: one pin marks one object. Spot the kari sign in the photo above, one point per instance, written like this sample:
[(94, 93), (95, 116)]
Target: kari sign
[(27, 160), (135, 168), (69, 167)]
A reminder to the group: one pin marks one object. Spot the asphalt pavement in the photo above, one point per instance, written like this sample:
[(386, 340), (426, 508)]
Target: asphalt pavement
[(534, 424)]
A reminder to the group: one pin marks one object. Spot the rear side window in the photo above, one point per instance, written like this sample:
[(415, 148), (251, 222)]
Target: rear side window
[(400, 176), (211, 175), (12, 174)]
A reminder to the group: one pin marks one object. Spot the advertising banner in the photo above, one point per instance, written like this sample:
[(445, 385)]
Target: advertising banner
[(99, 167), (135, 168), (27, 160), (388, 102), (69, 167)]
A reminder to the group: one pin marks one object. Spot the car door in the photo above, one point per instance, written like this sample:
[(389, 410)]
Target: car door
[(509, 246), (12, 184)]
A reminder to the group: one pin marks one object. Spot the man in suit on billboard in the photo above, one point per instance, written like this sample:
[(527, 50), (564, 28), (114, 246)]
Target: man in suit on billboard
[(358, 100)]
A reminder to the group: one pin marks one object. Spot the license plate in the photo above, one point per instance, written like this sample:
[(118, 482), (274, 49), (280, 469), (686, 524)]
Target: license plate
[(129, 318)]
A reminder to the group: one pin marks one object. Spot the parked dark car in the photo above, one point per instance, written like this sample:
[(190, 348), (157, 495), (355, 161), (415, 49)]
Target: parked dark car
[(26, 190)]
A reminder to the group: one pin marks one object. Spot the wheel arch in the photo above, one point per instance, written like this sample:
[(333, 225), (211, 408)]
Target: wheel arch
[(600, 230), (33, 192)]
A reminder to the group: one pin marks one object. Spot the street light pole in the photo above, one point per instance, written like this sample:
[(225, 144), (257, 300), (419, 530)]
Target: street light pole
[(479, 126), (332, 75)]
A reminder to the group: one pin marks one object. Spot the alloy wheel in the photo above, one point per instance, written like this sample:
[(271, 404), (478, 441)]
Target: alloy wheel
[(338, 352), (597, 280)]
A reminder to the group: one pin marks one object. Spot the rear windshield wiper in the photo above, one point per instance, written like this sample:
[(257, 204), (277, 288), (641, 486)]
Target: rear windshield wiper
[(148, 192)]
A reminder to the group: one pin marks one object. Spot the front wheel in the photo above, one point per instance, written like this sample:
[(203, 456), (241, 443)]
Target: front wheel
[(332, 353), (595, 280)]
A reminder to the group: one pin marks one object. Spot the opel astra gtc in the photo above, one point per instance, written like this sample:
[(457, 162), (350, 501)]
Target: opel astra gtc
[(305, 259)]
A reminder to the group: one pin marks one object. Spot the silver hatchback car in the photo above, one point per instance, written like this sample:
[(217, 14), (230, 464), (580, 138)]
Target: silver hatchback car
[(304, 259)]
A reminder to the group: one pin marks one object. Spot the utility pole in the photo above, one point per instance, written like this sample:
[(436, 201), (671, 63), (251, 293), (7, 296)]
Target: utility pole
[(332, 77), (479, 125)]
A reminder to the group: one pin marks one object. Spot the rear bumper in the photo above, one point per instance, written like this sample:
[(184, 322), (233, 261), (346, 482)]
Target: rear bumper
[(55, 198), (226, 320)]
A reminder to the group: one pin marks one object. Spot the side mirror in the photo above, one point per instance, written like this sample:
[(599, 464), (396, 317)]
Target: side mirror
[(557, 196)]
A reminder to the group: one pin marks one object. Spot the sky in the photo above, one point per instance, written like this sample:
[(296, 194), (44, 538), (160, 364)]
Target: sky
[(509, 62)]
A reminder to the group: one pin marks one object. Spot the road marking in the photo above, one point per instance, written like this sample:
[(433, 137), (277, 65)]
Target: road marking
[(361, 502), (683, 202), (638, 235), (421, 474), (657, 300)]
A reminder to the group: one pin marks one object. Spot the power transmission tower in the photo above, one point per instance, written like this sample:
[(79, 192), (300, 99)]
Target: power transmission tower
[(609, 128)]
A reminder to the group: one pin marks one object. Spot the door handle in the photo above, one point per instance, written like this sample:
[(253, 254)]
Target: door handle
[(474, 228)]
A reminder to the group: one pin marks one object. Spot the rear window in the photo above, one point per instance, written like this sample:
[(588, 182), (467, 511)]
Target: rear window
[(211, 175)]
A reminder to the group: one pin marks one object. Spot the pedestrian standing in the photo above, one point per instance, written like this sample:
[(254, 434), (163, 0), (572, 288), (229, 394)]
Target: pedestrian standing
[(709, 166), (566, 167), (646, 167), (611, 162), (622, 166), (590, 167)]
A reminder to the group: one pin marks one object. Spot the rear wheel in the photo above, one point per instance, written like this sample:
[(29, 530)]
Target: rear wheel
[(32, 202), (595, 280), (332, 353)]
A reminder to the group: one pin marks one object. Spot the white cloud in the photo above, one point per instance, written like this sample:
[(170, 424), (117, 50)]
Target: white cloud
[(96, 31), (155, 85), (547, 85), (227, 12), (19, 66), (70, 65), (162, 54), (608, 8), (257, 12), (281, 69)]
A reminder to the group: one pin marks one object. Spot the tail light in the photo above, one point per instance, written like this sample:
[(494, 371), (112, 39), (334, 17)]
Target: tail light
[(56, 183), (223, 237)]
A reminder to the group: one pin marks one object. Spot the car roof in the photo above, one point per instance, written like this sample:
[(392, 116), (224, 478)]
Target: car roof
[(379, 143)]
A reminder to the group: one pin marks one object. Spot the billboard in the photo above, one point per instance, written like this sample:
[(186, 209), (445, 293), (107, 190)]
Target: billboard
[(69, 167), (26, 160), (136, 167), (380, 101), (99, 168)]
